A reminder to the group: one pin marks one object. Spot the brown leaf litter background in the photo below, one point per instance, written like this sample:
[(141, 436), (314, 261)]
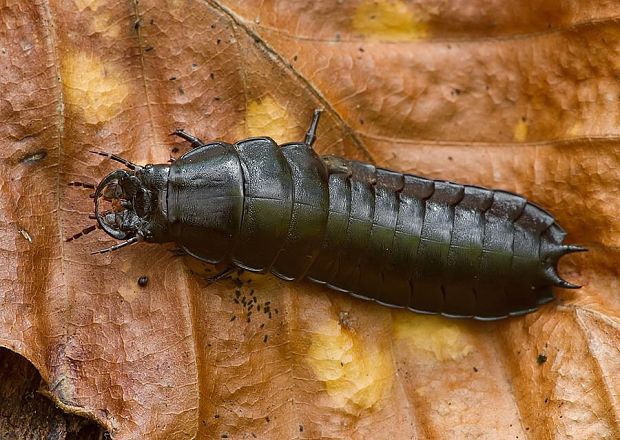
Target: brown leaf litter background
[(523, 96)]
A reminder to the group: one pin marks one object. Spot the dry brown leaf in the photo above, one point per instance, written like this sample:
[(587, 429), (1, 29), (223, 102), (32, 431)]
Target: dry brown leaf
[(522, 96)]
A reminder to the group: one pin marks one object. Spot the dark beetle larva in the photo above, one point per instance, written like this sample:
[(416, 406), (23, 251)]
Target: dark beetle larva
[(431, 246)]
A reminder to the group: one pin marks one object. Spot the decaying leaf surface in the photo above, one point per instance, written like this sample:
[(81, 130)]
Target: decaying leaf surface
[(522, 96)]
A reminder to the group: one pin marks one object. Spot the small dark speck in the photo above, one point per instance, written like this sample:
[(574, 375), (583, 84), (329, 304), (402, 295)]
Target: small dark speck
[(265, 338), (523, 118), (361, 122), (267, 419), (546, 400), (217, 98), (232, 318), (172, 78), (361, 49), (253, 435), (224, 435), (248, 320), (257, 40), (295, 58), (194, 65), (148, 48), (337, 37), (143, 281), (152, 21), (455, 92), (475, 370), (181, 91), (450, 158), (372, 17), (34, 157), (527, 428), (136, 25), (213, 26), (218, 41), (211, 75), (217, 416), (301, 428), (262, 325), (541, 359)]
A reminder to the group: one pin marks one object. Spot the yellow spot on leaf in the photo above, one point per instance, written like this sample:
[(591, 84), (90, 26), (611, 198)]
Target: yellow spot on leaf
[(93, 89), (357, 372), (520, 133), (388, 19), (445, 339), (576, 129), (267, 117), (93, 5)]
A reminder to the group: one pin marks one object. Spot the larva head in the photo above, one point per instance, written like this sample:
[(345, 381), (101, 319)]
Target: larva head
[(130, 205)]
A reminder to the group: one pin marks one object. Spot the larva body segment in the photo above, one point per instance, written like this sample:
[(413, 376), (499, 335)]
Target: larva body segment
[(431, 246)]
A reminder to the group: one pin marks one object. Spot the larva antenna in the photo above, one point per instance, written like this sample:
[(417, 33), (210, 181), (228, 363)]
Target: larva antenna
[(132, 240)]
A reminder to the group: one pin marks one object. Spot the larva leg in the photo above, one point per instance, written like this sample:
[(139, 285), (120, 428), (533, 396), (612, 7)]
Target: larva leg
[(84, 231), (178, 252), (196, 142), (336, 165), (311, 133), (222, 274)]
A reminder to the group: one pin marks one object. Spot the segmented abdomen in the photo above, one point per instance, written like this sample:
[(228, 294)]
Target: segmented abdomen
[(435, 246)]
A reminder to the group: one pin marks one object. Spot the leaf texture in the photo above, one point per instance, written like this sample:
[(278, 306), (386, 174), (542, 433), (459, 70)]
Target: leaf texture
[(522, 96)]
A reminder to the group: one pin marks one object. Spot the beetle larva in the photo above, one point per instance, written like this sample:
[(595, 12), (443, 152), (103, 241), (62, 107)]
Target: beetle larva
[(431, 246)]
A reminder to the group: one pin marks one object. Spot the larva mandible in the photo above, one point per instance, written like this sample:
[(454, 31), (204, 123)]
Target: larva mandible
[(431, 246)]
